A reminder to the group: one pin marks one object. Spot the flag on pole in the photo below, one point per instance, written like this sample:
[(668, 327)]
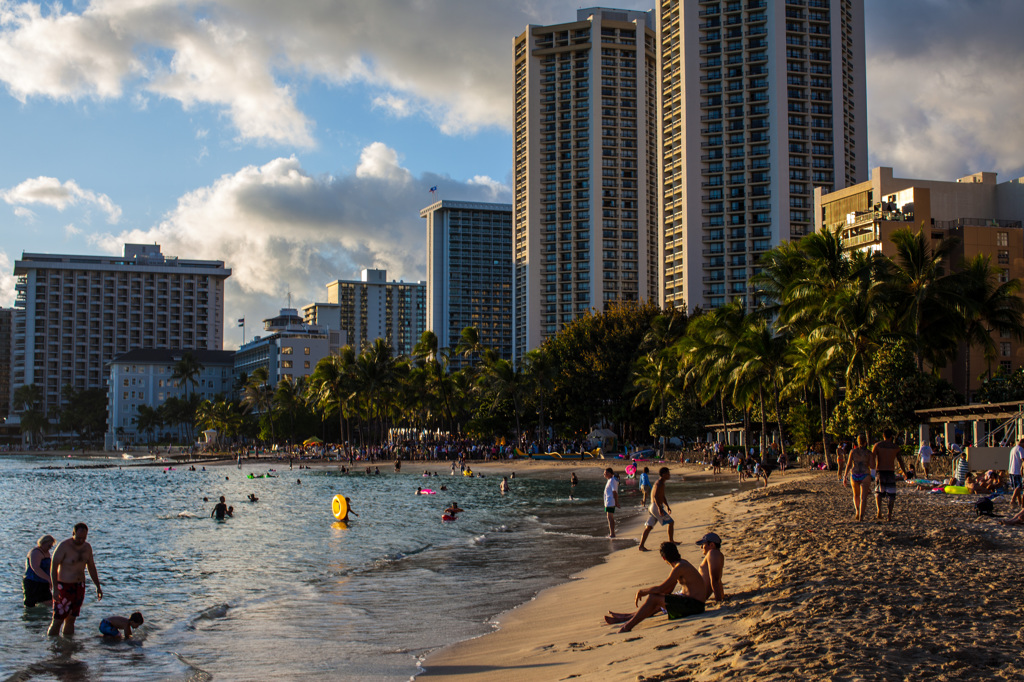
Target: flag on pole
[(433, 190), (241, 322)]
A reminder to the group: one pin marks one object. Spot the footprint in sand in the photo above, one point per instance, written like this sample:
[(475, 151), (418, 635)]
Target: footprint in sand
[(665, 646)]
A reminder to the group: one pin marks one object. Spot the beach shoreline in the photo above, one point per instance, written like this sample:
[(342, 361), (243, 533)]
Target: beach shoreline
[(811, 593)]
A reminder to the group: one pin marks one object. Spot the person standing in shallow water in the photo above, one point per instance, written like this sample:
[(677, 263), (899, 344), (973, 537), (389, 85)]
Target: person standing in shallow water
[(67, 576), (573, 482), (611, 499), (36, 583)]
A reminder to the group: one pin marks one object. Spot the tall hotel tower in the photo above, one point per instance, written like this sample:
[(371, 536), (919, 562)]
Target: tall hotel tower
[(761, 103), (586, 163)]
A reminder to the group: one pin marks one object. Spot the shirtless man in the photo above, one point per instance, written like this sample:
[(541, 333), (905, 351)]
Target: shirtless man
[(711, 566), (884, 456), (689, 601), (67, 575), (659, 510)]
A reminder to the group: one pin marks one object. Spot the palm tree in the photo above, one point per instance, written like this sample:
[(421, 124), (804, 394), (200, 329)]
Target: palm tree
[(926, 296), (469, 344), (501, 380), (332, 386), (707, 353), (148, 419), (258, 396), (655, 376), (27, 400), (989, 306), (186, 372)]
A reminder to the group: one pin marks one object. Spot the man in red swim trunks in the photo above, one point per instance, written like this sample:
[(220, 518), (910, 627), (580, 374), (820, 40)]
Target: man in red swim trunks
[(67, 575)]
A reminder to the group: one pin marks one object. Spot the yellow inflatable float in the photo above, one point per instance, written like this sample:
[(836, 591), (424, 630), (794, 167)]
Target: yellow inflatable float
[(339, 505)]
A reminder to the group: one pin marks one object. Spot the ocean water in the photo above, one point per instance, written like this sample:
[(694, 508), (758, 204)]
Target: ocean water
[(282, 591)]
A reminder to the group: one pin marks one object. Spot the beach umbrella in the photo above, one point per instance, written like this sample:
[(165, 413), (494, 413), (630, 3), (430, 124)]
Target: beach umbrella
[(312, 440)]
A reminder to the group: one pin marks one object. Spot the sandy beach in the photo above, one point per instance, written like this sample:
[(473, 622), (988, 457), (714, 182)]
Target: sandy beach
[(812, 595)]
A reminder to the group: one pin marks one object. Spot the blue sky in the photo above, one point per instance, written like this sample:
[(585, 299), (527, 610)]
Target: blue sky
[(298, 141)]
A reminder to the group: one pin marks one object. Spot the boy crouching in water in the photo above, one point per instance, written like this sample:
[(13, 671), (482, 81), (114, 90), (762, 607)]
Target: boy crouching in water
[(111, 626)]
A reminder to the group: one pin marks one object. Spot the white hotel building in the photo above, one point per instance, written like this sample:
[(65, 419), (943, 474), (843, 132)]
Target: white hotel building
[(77, 313), (586, 168)]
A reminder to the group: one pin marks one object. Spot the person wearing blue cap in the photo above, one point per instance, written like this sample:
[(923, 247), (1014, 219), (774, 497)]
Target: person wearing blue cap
[(712, 565)]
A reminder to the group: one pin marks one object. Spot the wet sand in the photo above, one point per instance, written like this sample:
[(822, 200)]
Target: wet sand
[(812, 595)]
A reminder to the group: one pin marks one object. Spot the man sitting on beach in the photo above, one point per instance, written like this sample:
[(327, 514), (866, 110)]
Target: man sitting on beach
[(712, 565), (689, 601)]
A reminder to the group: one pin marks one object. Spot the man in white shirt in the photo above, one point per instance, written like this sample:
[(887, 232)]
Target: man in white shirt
[(611, 499), (925, 453), (1014, 470)]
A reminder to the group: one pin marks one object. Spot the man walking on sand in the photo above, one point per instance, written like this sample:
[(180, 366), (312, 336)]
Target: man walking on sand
[(925, 453), (67, 575), (659, 510), (884, 457), (611, 499), (1014, 471)]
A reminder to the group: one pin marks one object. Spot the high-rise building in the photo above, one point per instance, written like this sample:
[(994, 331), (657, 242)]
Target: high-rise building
[(6, 333), (761, 103), (585, 165), (143, 377), (77, 313), (290, 351), (373, 308), (983, 214), (469, 273)]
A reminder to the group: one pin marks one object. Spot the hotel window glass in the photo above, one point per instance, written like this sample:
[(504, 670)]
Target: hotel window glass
[(1004, 349), (286, 364), (287, 350), (307, 353), (1002, 238), (1004, 257)]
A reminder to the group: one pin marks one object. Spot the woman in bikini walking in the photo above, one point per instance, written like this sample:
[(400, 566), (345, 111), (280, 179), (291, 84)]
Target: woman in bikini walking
[(857, 474)]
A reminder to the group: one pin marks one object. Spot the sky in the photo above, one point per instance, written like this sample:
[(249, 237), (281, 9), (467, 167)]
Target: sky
[(298, 142)]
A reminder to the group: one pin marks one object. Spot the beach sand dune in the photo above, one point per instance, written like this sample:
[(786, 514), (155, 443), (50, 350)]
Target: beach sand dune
[(813, 595)]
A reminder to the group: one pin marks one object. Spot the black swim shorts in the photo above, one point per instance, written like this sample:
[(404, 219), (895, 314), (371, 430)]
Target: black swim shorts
[(680, 606), (885, 483)]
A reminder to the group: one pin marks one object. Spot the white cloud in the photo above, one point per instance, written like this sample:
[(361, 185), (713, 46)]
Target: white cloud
[(398, 107), (380, 161), (51, 192), (7, 281), (71, 231), (496, 188), (25, 213), (449, 61), (277, 223)]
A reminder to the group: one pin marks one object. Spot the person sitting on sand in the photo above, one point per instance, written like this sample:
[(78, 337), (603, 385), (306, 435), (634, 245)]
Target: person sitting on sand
[(712, 565), (689, 601), (111, 626), (253, 498)]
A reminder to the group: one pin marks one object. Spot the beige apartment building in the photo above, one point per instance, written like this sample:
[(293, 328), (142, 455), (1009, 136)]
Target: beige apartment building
[(372, 308), (585, 205), (762, 101), (984, 214)]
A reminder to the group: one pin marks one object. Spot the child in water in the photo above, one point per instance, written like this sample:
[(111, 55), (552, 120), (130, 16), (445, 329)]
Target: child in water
[(111, 626)]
